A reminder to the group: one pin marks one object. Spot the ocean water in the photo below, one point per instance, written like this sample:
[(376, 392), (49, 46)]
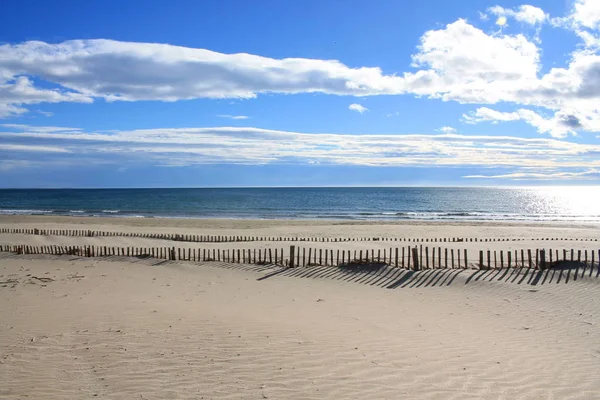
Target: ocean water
[(514, 204)]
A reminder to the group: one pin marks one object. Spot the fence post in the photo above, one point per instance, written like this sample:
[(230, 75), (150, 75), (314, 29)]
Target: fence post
[(415, 257), (481, 266), (542, 265), (446, 258), (292, 254)]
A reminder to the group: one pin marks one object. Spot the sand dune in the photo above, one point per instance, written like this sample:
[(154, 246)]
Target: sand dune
[(133, 328)]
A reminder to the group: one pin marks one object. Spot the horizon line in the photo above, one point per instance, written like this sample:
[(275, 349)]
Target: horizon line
[(310, 187)]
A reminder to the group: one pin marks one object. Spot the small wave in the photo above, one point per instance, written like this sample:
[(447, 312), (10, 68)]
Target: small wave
[(76, 211), (111, 211), (25, 212), (459, 214)]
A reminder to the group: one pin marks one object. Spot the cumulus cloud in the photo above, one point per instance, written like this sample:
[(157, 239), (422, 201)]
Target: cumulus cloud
[(559, 125), (247, 145), (586, 13), (584, 20), (457, 62), (358, 108), (527, 14)]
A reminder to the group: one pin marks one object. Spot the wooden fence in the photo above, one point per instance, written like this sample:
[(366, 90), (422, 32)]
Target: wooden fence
[(408, 257), (239, 238)]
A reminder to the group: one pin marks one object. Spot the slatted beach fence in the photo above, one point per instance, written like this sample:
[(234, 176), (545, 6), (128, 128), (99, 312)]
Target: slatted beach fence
[(408, 257), (243, 238)]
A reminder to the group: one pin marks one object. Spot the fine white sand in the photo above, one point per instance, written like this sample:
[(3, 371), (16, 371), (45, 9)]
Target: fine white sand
[(74, 328), (125, 328)]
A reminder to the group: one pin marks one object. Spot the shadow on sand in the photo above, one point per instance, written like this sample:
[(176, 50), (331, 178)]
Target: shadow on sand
[(376, 274), (381, 275)]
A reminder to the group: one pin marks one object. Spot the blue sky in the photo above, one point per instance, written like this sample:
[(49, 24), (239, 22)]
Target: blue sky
[(277, 93)]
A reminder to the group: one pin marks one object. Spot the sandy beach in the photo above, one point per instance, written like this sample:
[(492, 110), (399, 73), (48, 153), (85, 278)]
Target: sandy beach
[(501, 235), (123, 328)]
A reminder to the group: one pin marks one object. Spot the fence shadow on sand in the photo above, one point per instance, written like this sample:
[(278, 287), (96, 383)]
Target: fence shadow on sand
[(375, 274), (383, 276)]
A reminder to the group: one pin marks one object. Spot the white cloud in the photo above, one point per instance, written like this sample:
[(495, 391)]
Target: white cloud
[(457, 62), (583, 18), (586, 13), (19, 90), (590, 41), (129, 71), (246, 145), (357, 107), (590, 174), (527, 14), (559, 125), (32, 148), (447, 129), (39, 129), (238, 117), (464, 64), (11, 110), (484, 114)]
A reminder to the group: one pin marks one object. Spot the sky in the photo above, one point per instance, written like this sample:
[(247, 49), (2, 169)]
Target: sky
[(304, 93)]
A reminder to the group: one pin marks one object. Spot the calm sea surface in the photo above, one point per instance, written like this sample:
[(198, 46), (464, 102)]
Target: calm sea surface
[(528, 204)]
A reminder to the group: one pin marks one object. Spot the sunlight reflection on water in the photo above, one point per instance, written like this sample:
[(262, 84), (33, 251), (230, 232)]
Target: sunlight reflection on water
[(564, 200)]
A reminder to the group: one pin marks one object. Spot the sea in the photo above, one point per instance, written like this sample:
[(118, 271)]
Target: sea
[(564, 203)]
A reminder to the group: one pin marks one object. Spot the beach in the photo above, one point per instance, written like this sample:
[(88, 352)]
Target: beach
[(130, 327)]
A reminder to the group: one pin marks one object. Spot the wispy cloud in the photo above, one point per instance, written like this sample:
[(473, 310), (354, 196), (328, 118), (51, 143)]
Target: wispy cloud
[(588, 174), (32, 148), (247, 145), (233, 116), (527, 14), (358, 108), (39, 129)]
